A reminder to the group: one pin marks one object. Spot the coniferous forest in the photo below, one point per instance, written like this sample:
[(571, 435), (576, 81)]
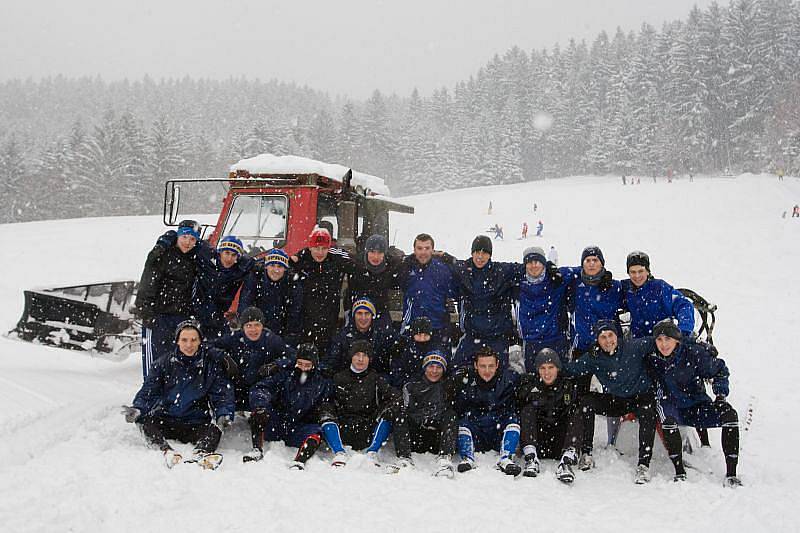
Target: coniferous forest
[(719, 90)]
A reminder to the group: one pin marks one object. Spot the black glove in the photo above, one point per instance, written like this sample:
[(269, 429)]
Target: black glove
[(712, 350), (167, 240), (430, 423), (461, 375), (720, 399), (268, 369), (131, 413), (605, 281), (554, 275), (224, 422), (230, 366)]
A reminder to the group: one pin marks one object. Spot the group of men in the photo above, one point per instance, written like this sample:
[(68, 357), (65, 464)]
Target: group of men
[(284, 360)]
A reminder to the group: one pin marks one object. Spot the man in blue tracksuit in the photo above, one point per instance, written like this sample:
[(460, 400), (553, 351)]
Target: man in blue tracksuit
[(278, 292), (220, 275), (178, 395), (620, 368), (594, 295), (680, 368), (486, 407), (289, 405), (427, 283), (484, 294), (416, 342), (542, 306), (381, 335), (650, 300), (164, 298)]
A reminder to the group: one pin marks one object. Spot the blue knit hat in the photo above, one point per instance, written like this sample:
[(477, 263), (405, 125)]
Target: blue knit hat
[(376, 243), (276, 256), (232, 244), (189, 227), (365, 304)]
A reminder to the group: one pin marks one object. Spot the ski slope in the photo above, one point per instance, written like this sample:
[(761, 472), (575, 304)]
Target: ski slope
[(71, 463)]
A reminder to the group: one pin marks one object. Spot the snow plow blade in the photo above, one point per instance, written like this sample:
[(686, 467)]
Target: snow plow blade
[(93, 318)]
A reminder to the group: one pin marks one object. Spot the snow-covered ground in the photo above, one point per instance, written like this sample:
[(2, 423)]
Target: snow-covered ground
[(70, 463)]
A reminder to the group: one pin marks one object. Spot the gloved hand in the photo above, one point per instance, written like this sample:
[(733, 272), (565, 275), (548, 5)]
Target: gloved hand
[(230, 366), (720, 398), (712, 350), (224, 422), (719, 388), (461, 374), (268, 369), (233, 320), (260, 416), (554, 275), (605, 281), (131, 413), (430, 423), (168, 239)]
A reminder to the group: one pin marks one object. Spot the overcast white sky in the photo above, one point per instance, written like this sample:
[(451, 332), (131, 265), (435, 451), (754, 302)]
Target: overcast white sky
[(342, 47)]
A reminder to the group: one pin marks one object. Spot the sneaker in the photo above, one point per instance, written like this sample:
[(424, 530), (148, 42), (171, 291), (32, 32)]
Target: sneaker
[(677, 478), (207, 461), (339, 460), (586, 462), (403, 463), (642, 475), (297, 465), (509, 467), (172, 458), (444, 467), (372, 458), (531, 466), (256, 454), (465, 465), (732, 482), (564, 472)]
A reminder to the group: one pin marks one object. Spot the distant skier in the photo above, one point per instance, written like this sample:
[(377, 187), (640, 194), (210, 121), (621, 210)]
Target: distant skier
[(498, 231), (625, 180), (535, 207), (552, 255), (524, 230), (539, 229), (780, 174), (796, 211), (489, 211)]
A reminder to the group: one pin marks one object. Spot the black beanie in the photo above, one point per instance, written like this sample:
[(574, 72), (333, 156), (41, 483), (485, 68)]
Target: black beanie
[(547, 355), (604, 324), (376, 243), (593, 251), (362, 346), (637, 258), (308, 352), (667, 327), (482, 243), (251, 314), (421, 324), (192, 324)]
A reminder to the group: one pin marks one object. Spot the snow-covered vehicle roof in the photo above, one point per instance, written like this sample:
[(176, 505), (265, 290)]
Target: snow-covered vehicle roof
[(292, 164)]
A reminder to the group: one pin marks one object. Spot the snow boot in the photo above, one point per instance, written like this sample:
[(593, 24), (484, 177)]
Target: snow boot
[(509, 467), (172, 458), (339, 460), (444, 467), (256, 454), (564, 472), (465, 465), (642, 475), (677, 478), (732, 482), (531, 466), (297, 465), (586, 462)]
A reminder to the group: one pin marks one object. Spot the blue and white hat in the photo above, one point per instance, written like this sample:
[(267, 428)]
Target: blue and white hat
[(434, 357), (365, 304), (276, 256), (189, 227), (232, 244)]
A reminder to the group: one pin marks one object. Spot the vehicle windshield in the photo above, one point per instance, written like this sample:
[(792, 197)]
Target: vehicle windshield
[(258, 221)]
